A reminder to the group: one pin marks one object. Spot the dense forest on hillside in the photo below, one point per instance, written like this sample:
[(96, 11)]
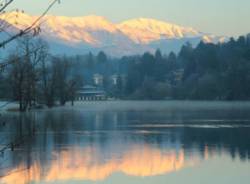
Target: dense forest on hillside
[(207, 72)]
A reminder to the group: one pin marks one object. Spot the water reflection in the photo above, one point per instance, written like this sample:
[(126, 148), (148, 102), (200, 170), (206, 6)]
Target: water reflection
[(84, 164), (75, 144)]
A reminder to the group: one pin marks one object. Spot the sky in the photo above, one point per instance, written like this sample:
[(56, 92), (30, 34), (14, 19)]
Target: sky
[(219, 17)]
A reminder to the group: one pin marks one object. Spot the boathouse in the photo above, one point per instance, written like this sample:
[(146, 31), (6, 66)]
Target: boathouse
[(91, 93)]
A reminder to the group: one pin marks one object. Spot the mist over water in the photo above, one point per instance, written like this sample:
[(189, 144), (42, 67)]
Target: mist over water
[(128, 142)]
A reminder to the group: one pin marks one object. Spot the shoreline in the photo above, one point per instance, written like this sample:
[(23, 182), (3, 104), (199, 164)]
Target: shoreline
[(137, 105)]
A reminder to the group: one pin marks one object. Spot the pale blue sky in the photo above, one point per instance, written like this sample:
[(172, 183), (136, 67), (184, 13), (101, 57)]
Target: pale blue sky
[(220, 17)]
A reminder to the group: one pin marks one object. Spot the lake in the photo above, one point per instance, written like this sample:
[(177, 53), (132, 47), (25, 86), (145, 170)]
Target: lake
[(123, 142)]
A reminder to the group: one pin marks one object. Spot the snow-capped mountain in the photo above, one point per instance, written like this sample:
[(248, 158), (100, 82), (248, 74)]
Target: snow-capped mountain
[(147, 30), (78, 35)]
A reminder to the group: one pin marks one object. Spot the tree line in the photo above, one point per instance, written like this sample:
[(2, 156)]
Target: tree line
[(206, 72)]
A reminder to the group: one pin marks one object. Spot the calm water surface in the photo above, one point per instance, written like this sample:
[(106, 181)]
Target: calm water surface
[(128, 142)]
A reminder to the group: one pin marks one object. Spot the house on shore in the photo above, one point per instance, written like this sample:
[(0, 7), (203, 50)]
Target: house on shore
[(90, 93)]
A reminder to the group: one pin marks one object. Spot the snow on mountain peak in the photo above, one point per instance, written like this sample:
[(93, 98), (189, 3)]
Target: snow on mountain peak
[(145, 30), (88, 22), (96, 32), (77, 29), (18, 19)]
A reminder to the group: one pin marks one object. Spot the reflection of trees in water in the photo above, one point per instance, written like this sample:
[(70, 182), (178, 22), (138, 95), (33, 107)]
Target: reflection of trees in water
[(232, 140), (19, 129), (17, 133), (112, 133)]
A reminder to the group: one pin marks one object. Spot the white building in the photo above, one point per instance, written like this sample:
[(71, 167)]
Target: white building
[(98, 80), (114, 79)]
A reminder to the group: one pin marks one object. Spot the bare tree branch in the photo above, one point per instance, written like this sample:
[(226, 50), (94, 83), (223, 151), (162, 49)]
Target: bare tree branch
[(33, 51), (5, 5), (33, 27)]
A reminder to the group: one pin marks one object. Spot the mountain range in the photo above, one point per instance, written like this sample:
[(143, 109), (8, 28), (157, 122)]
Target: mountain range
[(79, 35)]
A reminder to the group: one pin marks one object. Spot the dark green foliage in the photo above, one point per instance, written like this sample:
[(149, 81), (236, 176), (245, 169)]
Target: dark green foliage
[(207, 72)]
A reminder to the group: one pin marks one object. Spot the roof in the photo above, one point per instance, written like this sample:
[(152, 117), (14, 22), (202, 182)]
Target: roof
[(88, 87), (90, 90)]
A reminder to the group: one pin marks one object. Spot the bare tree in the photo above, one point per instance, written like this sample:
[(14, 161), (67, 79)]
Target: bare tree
[(48, 76), (66, 81), (73, 84), (61, 69), (25, 70)]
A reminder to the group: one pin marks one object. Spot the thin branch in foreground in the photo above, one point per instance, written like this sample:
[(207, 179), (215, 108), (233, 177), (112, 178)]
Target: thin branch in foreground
[(5, 5), (5, 64), (32, 27)]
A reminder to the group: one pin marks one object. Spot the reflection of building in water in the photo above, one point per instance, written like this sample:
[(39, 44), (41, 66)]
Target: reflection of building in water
[(98, 119), (89, 93), (85, 164)]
